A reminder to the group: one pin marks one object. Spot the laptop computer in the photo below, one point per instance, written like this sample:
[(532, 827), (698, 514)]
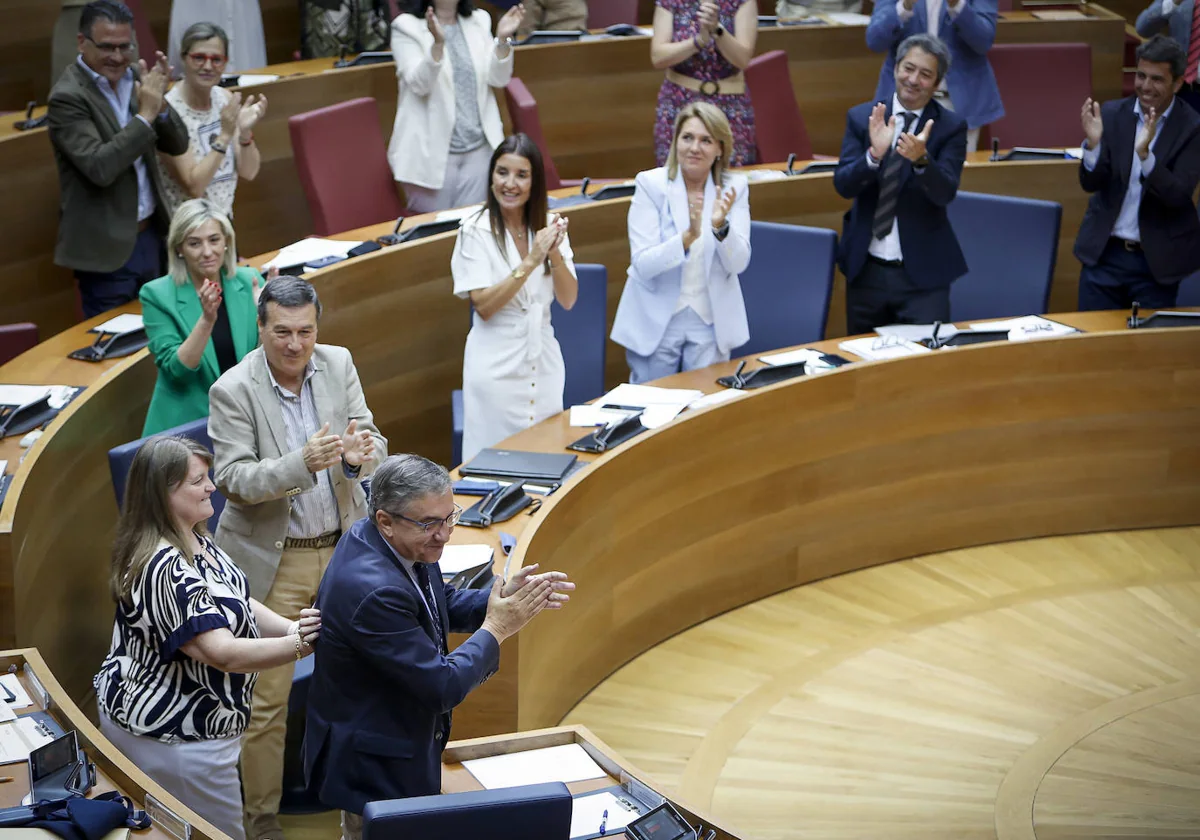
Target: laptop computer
[(512, 463)]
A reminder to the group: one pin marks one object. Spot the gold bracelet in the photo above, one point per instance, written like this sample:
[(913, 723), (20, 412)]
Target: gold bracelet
[(299, 650)]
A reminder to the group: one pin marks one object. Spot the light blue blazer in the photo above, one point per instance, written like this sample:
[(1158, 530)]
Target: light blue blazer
[(658, 215), (969, 36)]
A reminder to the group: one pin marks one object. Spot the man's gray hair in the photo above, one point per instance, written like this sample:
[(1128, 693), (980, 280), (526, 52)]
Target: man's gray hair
[(288, 292), (928, 43), (402, 479)]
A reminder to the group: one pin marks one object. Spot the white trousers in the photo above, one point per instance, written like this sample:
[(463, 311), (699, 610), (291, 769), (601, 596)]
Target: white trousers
[(466, 182), (687, 344), (203, 775)]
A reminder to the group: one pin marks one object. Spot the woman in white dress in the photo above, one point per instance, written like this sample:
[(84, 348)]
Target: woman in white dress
[(511, 260)]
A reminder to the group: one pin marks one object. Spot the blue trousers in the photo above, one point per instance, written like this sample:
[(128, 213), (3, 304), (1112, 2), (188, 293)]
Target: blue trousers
[(688, 343), (1119, 278), (101, 291)]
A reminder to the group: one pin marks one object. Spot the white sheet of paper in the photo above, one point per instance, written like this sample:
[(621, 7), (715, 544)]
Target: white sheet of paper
[(19, 738), (252, 79), (457, 213), (22, 394), (873, 348), (587, 812), (128, 322), (458, 558), (644, 395), (566, 763), (717, 397), (791, 356), (1028, 327), (13, 684), (660, 415), (594, 415), (6, 712), (310, 250), (848, 18)]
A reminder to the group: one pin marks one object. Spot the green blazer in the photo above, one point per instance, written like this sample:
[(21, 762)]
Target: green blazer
[(170, 312)]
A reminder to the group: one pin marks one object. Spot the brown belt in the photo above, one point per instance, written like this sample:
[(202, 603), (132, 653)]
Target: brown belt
[(323, 541), (735, 84)]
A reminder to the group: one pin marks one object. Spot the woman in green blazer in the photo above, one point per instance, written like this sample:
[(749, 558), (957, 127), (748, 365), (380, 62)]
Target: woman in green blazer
[(200, 318)]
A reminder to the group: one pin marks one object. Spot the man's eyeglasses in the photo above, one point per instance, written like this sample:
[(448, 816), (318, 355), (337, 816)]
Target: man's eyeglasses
[(112, 49), (200, 59), (450, 521)]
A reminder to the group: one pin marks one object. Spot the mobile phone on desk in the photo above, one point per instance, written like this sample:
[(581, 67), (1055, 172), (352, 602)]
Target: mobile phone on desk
[(323, 262)]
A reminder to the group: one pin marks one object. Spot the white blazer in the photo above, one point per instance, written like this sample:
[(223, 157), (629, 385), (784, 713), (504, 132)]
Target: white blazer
[(658, 215), (420, 141)]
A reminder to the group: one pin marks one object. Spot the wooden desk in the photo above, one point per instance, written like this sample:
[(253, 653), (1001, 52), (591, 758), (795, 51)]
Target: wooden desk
[(113, 770), (457, 779), (596, 103)]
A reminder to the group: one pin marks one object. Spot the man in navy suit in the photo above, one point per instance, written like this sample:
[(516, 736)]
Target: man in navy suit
[(901, 162), (1141, 163), (967, 28), (384, 682)]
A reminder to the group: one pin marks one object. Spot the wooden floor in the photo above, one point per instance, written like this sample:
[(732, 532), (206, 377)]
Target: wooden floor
[(1047, 689)]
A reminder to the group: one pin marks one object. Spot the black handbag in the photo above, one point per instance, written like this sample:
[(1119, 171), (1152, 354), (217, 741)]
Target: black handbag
[(500, 505)]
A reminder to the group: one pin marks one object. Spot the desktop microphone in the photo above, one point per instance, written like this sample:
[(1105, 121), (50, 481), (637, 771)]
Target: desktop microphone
[(584, 185), (995, 148), (1134, 322), (791, 160)]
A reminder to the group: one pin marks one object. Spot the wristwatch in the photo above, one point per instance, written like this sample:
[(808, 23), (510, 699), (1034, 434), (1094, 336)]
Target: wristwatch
[(922, 161), (721, 232), (218, 146), (719, 31)]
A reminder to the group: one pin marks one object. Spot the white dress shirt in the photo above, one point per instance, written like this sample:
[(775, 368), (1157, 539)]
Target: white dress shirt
[(1126, 226), (888, 248), (693, 286)]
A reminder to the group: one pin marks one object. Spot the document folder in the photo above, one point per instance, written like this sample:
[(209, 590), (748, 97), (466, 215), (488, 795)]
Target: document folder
[(512, 463)]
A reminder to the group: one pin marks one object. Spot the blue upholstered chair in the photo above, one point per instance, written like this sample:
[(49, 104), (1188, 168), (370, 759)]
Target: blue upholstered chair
[(516, 813), (296, 799), (121, 457), (582, 333), (1189, 291), (787, 285), (1011, 245)]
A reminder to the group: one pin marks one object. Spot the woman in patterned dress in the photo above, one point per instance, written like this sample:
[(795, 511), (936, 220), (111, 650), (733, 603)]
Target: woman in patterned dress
[(174, 690), (704, 47)]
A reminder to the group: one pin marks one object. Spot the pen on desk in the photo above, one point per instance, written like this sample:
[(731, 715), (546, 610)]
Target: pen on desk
[(4, 779), (604, 822), (622, 407)]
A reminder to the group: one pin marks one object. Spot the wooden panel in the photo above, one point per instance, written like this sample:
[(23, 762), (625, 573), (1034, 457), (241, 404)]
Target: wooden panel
[(25, 43)]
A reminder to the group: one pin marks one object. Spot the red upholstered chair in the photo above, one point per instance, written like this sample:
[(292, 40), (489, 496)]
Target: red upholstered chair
[(778, 124), (394, 9), (147, 43), (1043, 86), (15, 339), (1004, 5), (523, 111), (342, 162), (608, 12)]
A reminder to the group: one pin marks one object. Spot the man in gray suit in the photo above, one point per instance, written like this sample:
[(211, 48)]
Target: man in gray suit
[(292, 488), (106, 119), (1180, 20)]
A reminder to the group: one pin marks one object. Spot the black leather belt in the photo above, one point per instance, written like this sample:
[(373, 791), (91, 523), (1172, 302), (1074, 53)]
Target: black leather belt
[(1127, 244), (881, 261)]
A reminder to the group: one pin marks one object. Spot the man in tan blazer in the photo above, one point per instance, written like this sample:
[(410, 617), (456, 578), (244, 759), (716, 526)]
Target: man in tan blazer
[(291, 477), (105, 119)]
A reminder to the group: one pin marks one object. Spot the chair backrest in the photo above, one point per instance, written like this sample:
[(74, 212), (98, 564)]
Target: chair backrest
[(146, 42), (778, 125), (15, 339), (523, 111), (1043, 86), (120, 458), (609, 12), (342, 162), (582, 333), (787, 285), (516, 813), (1189, 291), (1011, 245)]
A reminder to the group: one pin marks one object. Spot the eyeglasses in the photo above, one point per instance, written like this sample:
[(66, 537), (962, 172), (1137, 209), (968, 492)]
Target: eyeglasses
[(112, 49), (200, 59), (450, 521)]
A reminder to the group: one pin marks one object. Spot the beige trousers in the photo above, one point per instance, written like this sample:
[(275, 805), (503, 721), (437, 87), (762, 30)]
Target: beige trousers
[(294, 588)]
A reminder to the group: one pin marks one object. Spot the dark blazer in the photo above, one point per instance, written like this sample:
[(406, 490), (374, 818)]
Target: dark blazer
[(171, 311), (1167, 215), (97, 182), (932, 256), (382, 690)]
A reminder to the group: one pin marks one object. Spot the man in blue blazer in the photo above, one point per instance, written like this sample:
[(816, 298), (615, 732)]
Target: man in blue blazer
[(901, 162), (968, 29), (1177, 19), (384, 682), (1141, 163)]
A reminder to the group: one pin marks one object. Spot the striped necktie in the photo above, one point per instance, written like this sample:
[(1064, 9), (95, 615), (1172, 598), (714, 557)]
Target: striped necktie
[(421, 570), (889, 183), (1193, 55)]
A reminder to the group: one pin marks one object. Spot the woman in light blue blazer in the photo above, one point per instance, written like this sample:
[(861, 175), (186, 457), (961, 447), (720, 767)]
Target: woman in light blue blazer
[(689, 239)]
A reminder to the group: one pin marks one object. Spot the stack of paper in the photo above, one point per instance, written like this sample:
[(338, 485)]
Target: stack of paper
[(566, 763), (251, 79), (311, 250), (459, 558), (661, 405), (595, 414), (875, 348), (848, 18), (717, 397), (1028, 327), (120, 325), (814, 361), (21, 737)]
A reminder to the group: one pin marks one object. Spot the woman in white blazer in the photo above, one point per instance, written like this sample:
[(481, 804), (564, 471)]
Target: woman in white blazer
[(512, 260), (689, 239), (447, 120)]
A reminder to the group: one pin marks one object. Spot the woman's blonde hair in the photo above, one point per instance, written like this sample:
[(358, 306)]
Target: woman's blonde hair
[(159, 467), (717, 125), (189, 216)]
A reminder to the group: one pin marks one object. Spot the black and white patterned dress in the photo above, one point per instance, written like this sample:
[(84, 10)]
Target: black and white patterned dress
[(147, 685)]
